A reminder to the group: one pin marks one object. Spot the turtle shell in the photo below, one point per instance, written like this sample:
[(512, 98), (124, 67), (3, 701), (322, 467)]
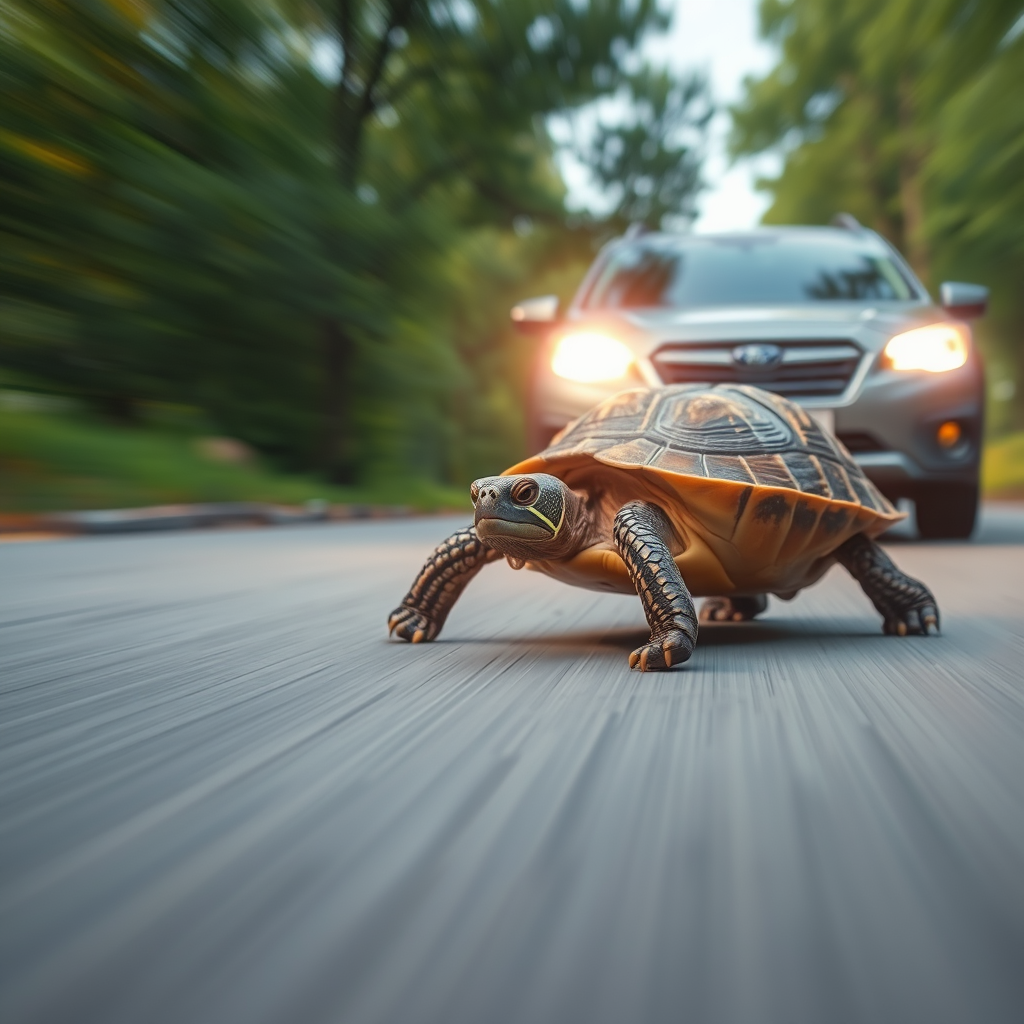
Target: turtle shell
[(759, 494)]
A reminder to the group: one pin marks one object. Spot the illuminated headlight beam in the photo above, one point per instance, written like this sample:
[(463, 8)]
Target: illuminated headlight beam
[(935, 348), (589, 357)]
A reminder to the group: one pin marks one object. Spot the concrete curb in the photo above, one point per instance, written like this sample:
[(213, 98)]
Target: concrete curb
[(191, 517)]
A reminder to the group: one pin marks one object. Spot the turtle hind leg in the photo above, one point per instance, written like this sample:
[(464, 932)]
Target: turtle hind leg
[(733, 609), (905, 604), (435, 590), (642, 532)]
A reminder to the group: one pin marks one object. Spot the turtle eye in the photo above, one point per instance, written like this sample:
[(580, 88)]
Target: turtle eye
[(525, 492), (474, 492)]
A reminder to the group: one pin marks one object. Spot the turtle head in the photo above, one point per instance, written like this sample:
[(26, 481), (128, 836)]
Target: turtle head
[(532, 516)]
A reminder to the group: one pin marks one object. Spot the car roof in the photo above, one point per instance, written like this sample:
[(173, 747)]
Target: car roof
[(788, 233)]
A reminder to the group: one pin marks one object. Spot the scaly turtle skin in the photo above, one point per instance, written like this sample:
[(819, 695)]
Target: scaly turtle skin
[(728, 492)]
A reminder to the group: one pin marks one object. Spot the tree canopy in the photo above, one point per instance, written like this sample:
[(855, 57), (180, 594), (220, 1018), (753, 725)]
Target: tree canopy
[(909, 114), (307, 218)]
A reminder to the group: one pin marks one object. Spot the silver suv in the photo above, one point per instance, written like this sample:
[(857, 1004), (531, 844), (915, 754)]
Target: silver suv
[(831, 317)]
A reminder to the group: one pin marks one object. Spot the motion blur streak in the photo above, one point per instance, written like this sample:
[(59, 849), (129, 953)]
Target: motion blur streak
[(226, 797), (304, 223)]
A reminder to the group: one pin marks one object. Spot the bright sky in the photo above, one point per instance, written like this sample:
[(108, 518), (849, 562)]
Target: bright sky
[(720, 38)]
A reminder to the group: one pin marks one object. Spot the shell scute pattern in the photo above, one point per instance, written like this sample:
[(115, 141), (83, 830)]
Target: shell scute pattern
[(771, 509), (806, 470), (771, 471), (728, 467), (864, 492), (734, 433), (718, 424), (625, 406), (805, 428), (637, 451), (838, 481), (683, 463)]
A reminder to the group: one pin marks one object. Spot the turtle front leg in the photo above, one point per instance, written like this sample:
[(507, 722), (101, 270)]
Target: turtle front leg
[(642, 533), (906, 605), (442, 579)]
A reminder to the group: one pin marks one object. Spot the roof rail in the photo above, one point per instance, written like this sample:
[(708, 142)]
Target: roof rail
[(847, 221)]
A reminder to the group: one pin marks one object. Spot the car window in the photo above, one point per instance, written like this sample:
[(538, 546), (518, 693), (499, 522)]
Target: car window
[(744, 271)]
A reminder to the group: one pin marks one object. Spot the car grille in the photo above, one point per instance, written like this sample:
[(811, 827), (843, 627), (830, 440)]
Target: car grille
[(857, 442), (807, 369)]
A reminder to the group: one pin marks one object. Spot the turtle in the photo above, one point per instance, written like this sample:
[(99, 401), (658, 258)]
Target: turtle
[(727, 491)]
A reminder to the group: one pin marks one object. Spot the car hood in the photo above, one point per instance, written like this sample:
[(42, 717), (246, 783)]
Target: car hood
[(870, 326)]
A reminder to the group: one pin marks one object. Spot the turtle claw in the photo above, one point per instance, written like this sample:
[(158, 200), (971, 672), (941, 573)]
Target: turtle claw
[(408, 624), (658, 655), (918, 620)]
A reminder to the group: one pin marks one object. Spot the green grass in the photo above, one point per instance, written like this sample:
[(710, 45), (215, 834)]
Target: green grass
[(1002, 471), (60, 460)]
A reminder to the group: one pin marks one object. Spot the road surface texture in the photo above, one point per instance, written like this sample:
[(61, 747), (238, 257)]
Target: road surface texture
[(226, 797)]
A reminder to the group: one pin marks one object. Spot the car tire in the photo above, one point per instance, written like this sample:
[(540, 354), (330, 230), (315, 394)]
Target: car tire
[(946, 511)]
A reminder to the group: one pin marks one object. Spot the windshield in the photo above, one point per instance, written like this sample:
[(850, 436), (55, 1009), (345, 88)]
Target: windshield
[(770, 270)]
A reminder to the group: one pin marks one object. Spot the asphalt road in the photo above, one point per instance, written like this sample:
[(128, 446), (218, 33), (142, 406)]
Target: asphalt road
[(226, 797)]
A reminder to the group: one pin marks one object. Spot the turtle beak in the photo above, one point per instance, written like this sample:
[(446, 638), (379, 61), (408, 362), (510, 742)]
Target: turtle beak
[(489, 527), (498, 516)]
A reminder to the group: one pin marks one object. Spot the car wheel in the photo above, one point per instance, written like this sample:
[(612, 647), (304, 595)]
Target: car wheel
[(946, 511)]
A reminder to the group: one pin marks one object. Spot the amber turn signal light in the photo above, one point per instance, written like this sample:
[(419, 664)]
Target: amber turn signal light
[(949, 433)]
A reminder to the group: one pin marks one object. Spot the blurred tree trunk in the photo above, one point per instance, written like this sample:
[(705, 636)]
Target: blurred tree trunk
[(883, 221), (911, 166), (336, 448), (361, 71), (337, 456)]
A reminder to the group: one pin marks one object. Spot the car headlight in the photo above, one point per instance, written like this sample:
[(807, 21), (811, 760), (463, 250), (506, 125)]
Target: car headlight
[(588, 357), (936, 348)]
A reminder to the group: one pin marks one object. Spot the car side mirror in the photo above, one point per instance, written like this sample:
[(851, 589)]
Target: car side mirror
[(964, 300), (533, 316)]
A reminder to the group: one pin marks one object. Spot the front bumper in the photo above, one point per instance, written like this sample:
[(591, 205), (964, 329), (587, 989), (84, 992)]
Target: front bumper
[(892, 421)]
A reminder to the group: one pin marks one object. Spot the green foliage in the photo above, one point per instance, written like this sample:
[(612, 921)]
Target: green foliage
[(1002, 471), (651, 161), (164, 218), (307, 218), (60, 460), (909, 114)]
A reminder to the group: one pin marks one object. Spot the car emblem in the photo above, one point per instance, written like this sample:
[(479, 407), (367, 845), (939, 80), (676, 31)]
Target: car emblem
[(757, 355)]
